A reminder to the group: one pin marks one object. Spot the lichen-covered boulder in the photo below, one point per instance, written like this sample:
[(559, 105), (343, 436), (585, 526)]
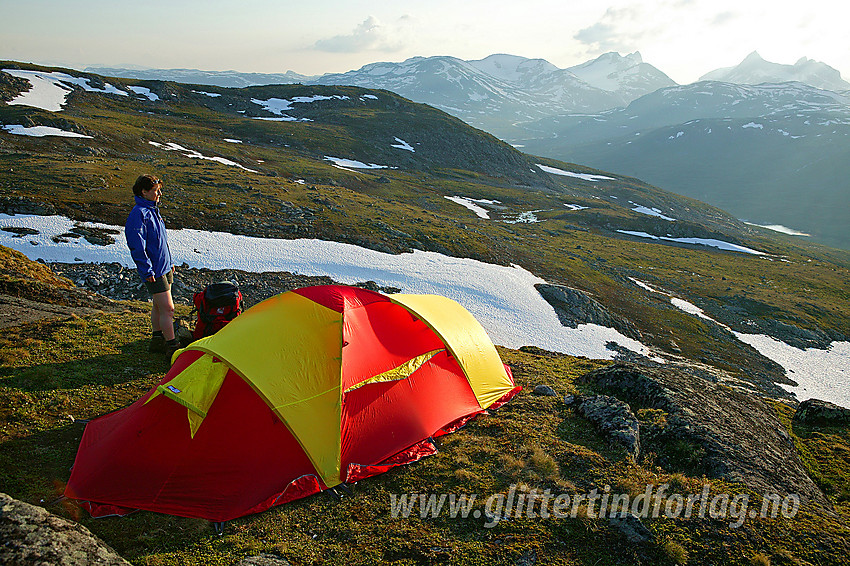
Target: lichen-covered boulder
[(32, 535), (817, 412), (614, 418)]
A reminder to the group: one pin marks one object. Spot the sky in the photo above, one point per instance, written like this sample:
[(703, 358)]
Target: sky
[(683, 38)]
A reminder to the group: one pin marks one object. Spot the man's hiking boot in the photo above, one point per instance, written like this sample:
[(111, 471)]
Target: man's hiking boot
[(157, 344), (169, 347)]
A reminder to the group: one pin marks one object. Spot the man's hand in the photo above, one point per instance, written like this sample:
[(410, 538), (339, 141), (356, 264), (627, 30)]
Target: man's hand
[(151, 279)]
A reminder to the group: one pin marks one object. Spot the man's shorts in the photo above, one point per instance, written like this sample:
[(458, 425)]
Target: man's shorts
[(161, 284)]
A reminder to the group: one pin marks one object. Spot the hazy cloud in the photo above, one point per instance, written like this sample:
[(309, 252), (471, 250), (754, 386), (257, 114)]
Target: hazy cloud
[(616, 31), (370, 35), (600, 35), (723, 18)]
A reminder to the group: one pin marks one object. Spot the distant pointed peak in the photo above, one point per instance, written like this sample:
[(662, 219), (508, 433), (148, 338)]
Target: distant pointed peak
[(615, 56), (503, 57), (754, 56)]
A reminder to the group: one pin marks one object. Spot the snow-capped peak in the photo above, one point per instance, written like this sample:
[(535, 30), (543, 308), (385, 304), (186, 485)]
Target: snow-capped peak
[(755, 70), (614, 72), (512, 68)]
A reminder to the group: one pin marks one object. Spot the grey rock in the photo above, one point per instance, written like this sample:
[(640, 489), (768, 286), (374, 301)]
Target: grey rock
[(263, 560), (571, 400), (736, 435), (32, 535), (23, 205), (575, 307), (117, 282), (614, 418), (544, 391), (817, 412), (632, 528)]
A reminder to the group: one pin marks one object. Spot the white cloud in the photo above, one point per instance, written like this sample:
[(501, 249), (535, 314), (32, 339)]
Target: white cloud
[(617, 29), (370, 35)]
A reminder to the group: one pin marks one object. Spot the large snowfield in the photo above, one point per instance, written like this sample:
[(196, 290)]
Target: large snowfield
[(503, 299)]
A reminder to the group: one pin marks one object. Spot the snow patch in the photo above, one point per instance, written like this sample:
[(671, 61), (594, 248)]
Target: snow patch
[(41, 131), (710, 242), (646, 286), (192, 154), (48, 91), (779, 228), (584, 176), (279, 105), (146, 92), (528, 217), (401, 144), (345, 163), (471, 205), (282, 119), (652, 212), (821, 374)]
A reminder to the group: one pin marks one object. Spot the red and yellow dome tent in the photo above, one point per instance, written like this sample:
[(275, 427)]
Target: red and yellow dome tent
[(305, 391)]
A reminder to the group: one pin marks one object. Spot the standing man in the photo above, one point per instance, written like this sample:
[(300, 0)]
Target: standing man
[(148, 243)]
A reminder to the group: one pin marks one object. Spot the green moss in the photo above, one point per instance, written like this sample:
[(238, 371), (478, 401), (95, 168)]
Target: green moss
[(825, 452)]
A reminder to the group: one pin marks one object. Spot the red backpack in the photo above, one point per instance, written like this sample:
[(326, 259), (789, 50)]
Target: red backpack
[(216, 305)]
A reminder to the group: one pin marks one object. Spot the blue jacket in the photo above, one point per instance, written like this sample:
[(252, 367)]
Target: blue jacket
[(147, 240)]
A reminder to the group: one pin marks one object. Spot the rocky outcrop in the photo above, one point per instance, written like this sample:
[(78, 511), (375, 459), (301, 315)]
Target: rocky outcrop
[(15, 204), (263, 560), (11, 87), (575, 307), (614, 418), (748, 315), (119, 282), (710, 428), (632, 528), (32, 535), (799, 337), (821, 413), (544, 391)]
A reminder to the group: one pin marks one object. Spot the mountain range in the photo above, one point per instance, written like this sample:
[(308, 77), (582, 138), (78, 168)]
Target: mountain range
[(499, 90), (755, 70), (774, 154), (490, 93), (780, 157)]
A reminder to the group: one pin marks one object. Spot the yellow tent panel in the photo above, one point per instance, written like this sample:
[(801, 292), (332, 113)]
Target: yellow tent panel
[(288, 350), (466, 339)]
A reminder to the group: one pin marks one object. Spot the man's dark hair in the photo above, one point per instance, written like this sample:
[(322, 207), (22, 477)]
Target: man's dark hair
[(145, 183)]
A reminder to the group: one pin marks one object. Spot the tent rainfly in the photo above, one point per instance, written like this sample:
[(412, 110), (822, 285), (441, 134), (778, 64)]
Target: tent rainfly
[(304, 391)]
